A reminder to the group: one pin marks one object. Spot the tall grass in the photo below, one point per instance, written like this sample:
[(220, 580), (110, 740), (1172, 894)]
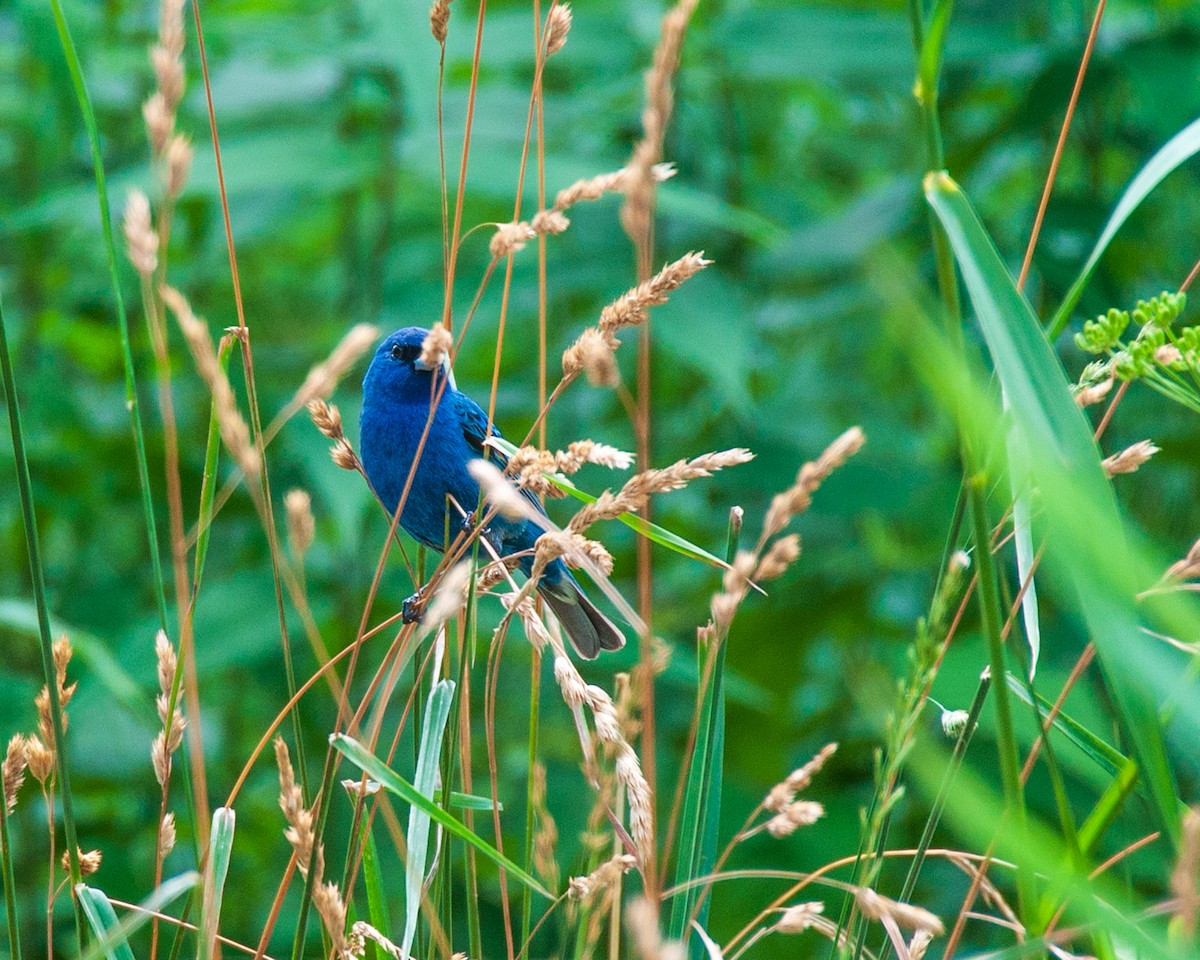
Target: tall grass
[(455, 869)]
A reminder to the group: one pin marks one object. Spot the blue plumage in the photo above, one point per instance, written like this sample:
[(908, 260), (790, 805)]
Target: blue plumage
[(397, 392)]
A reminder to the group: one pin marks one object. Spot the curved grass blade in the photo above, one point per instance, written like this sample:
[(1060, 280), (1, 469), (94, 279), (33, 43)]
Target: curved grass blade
[(131, 392), (1180, 148), (1107, 757), (1086, 540), (469, 801), (433, 731), (220, 848), (112, 936), (366, 761)]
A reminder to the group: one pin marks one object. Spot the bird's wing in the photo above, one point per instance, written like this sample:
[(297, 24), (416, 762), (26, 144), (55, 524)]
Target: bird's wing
[(475, 428)]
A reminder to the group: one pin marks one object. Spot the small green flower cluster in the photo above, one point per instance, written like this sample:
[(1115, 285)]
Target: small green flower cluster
[(1146, 351)]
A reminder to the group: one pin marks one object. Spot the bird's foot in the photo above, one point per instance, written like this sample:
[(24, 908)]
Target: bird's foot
[(413, 609)]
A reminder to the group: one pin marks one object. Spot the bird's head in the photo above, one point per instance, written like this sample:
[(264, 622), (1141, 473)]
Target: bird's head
[(398, 364)]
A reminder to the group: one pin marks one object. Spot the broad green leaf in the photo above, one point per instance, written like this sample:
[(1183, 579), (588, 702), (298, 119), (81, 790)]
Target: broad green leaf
[(433, 730), (1181, 147), (220, 849), (362, 758), (1086, 541), (112, 936)]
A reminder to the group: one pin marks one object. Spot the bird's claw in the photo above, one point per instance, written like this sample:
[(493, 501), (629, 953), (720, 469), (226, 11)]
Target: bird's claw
[(413, 609)]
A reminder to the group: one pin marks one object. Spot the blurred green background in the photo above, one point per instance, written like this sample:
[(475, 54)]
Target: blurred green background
[(799, 155)]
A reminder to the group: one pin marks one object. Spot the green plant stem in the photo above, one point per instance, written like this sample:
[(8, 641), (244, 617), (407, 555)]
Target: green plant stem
[(10, 884), (535, 701), (36, 574), (131, 393), (989, 608)]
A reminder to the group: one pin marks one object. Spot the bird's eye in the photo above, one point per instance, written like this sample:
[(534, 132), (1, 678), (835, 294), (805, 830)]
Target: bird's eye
[(397, 351)]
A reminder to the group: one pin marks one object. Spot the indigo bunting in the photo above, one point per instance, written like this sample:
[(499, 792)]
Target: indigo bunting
[(397, 393)]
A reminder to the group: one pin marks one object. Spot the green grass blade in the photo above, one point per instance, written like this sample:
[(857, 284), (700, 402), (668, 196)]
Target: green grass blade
[(362, 758), (220, 848), (377, 908), (469, 801), (651, 531), (112, 936), (208, 487), (38, 578), (1110, 759), (1066, 469), (131, 393), (433, 731), (1180, 148)]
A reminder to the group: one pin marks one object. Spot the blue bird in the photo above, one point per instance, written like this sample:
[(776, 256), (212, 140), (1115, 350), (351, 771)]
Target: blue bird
[(397, 392)]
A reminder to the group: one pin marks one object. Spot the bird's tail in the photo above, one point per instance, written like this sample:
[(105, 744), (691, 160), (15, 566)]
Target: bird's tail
[(589, 630)]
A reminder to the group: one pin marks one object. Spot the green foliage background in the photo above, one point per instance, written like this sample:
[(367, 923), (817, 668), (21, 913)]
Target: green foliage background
[(799, 155)]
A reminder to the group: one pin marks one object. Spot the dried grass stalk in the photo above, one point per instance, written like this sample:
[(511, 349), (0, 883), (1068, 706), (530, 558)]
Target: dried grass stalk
[(233, 428), (1183, 877), (301, 526)]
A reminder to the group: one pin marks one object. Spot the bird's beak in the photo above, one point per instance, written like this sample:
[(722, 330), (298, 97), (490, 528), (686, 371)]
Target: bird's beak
[(444, 367)]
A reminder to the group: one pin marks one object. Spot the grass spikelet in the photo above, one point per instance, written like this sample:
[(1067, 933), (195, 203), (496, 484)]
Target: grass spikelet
[(594, 188), (39, 758), (327, 898), (1129, 459), (782, 794), (630, 308), (500, 493), (166, 835), (62, 656), (509, 238), (179, 164), (640, 187), (800, 917), (797, 497), (89, 862), (802, 813), (600, 879), (905, 915), (641, 920), (436, 346), (439, 20), (301, 527), (592, 354), (141, 242), (299, 832), (325, 376), (545, 839), (558, 25), (326, 417), (450, 597), (12, 770)]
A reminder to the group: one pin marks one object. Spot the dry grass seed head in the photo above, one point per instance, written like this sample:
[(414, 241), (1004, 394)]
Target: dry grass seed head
[(630, 308), (592, 354), (40, 758), (160, 122), (784, 792), (549, 223), (1129, 459), (450, 597), (326, 417), (595, 187), (509, 238), (586, 888), (141, 242), (557, 27), (1093, 393), (12, 770), (641, 920), (800, 917), (435, 348), (545, 839), (327, 898), (439, 20), (233, 428), (781, 555), (325, 376), (89, 862), (342, 454), (166, 835), (906, 915), (300, 524), (291, 801), (801, 813), (500, 492), (179, 164)]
